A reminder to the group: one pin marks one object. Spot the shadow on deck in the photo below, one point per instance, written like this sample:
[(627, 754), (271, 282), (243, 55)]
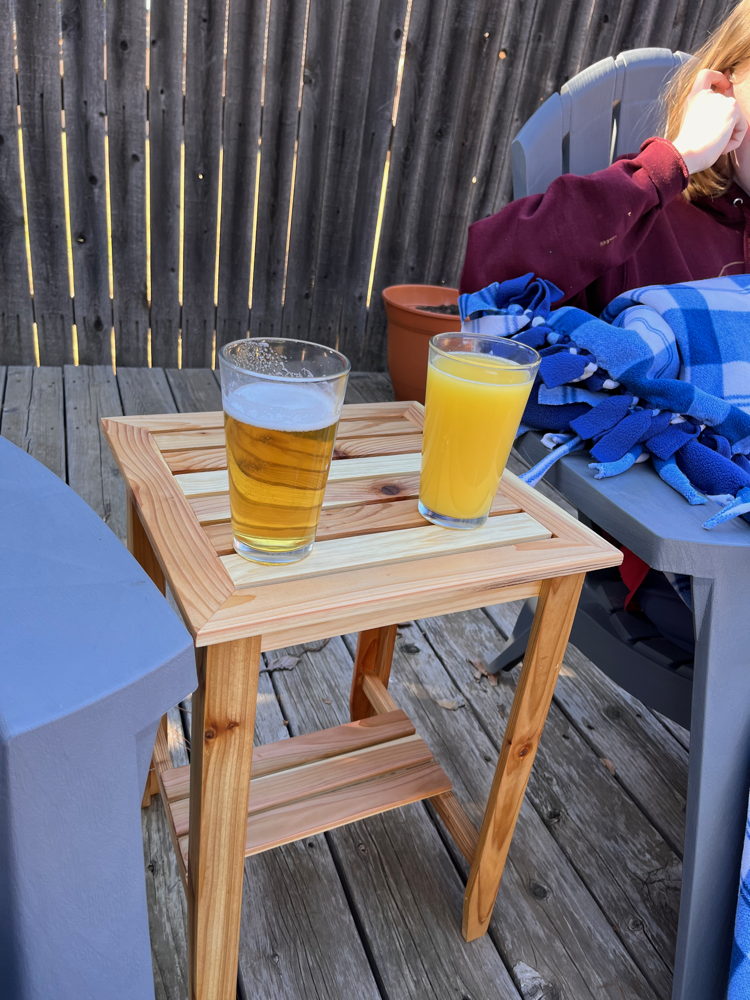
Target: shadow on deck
[(588, 905)]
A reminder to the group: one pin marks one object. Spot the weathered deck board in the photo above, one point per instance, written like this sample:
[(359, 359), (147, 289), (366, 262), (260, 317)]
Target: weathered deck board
[(373, 910), (405, 890), (621, 858)]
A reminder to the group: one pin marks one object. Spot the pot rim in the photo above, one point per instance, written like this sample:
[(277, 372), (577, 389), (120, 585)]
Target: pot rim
[(413, 309)]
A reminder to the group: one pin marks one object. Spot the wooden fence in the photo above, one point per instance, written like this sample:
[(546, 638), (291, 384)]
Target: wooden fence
[(176, 174)]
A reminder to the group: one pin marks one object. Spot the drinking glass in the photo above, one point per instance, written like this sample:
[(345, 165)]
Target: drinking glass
[(282, 400), (477, 388)]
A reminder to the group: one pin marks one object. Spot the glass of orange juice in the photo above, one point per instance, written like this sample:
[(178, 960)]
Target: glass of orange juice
[(477, 388)]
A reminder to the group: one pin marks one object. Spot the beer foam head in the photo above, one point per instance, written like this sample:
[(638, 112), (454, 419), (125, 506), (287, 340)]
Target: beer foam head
[(285, 406)]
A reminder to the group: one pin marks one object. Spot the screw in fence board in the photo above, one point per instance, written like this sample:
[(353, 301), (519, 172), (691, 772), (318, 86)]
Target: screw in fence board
[(165, 140), (203, 119), (126, 123), (354, 258), (286, 30), (82, 23), (338, 276), (16, 316), (242, 117), (39, 93)]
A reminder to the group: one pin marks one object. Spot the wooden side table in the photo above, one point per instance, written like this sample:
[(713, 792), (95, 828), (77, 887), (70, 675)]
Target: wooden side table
[(375, 562)]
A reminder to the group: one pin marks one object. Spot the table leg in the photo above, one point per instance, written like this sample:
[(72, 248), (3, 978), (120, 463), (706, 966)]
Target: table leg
[(220, 762), (140, 546), (373, 656), (556, 609)]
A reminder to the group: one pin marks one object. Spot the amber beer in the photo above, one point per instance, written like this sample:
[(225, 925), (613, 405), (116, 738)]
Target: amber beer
[(279, 446)]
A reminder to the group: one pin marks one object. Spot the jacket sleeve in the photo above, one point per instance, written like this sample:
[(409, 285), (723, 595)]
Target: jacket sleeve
[(581, 227)]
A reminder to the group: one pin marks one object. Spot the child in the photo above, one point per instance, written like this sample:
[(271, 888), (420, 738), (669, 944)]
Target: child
[(678, 210)]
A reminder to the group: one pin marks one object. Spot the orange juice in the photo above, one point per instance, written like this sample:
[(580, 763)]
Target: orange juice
[(473, 407)]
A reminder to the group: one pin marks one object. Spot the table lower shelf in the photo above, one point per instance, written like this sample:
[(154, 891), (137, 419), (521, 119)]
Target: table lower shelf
[(315, 782)]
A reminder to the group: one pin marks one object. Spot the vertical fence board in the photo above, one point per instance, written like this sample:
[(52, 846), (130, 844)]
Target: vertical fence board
[(354, 261), (203, 114), (82, 24), (165, 103), (16, 317), (314, 151), (40, 99), (247, 22), (286, 31), (126, 124), (357, 51), (408, 183)]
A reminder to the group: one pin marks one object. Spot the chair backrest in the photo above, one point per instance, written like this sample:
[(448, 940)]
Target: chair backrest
[(606, 110)]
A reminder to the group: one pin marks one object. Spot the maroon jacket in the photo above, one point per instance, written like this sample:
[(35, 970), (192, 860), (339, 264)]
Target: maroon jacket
[(603, 234)]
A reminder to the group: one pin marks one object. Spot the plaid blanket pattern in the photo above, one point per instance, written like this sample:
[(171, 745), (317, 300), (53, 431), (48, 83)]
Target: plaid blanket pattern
[(662, 374), (739, 971)]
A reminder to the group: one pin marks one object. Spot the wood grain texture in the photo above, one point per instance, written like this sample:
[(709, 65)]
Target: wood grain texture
[(165, 130), (198, 584), (126, 127), (33, 417), (457, 823), (373, 656), (82, 26), (221, 757), (308, 748), (194, 389), (405, 545), (377, 694), (140, 547), (16, 315), (40, 97), (242, 119), (90, 394), (558, 600), (144, 390), (286, 33), (361, 127), (204, 67)]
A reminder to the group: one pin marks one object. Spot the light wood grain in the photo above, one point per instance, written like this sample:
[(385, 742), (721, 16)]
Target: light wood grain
[(342, 554), (361, 447), (457, 823), (306, 817), (221, 759), (308, 748), (373, 656), (376, 692), (140, 546), (195, 484), (196, 460), (196, 577), (556, 609), (310, 780)]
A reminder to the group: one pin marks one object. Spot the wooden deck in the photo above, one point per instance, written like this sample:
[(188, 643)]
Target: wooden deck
[(588, 905)]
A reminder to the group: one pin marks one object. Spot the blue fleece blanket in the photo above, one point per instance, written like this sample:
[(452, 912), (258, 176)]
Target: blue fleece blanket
[(663, 374), (739, 971)]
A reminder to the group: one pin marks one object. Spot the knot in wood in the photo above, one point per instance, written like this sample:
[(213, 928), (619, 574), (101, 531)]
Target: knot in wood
[(232, 725), (390, 489), (210, 734), (523, 751)]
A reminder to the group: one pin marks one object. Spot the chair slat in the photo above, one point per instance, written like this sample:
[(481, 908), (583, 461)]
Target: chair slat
[(641, 76), (126, 125), (203, 113), (286, 29), (16, 317), (588, 104), (39, 89), (242, 115), (82, 24), (537, 150), (318, 149), (165, 139), (376, 135)]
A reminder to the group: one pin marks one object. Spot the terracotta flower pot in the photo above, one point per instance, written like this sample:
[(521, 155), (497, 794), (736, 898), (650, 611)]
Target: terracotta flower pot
[(409, 332)]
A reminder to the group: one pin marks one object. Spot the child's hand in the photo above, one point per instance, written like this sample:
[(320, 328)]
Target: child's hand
[(713, 123)]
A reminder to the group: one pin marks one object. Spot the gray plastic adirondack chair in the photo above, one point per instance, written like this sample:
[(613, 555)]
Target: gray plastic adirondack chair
[(607, 110), (92, 656)]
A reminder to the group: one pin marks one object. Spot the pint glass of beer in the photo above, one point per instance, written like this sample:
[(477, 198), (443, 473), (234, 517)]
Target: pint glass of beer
[(282, 400)]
